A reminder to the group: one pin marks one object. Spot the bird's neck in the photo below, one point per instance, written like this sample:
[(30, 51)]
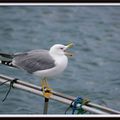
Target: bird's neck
[(59, 57)]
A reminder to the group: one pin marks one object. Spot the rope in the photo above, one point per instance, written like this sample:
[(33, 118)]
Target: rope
[(11, 86), (76, 105)]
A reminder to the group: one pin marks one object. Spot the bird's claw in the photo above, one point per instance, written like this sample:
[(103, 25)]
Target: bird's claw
[(45, 89)]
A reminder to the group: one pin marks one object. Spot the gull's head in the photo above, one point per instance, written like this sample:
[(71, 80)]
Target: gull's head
[(59, 49)]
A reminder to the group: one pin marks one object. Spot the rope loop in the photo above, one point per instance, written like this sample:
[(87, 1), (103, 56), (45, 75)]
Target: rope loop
[(77, 104), (11, 86)]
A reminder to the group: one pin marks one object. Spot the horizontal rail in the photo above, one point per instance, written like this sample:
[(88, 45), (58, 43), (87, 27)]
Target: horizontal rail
[(63, 98)]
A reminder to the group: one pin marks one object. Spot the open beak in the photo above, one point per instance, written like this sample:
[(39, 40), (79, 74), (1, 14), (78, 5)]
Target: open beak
[(66, 52)]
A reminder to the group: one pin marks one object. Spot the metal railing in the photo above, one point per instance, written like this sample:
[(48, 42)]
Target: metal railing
[(63, 98)]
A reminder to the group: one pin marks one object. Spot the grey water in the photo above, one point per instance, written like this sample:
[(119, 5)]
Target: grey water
[(94, 70)]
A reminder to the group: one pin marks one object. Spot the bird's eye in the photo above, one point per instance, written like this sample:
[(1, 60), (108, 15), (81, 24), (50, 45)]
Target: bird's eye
[(61, 48)]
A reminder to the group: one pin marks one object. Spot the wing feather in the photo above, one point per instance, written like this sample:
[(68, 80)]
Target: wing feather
[(34, 60)]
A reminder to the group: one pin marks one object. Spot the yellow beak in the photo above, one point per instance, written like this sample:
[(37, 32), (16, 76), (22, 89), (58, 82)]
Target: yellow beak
[(70, 45), (68, 53)]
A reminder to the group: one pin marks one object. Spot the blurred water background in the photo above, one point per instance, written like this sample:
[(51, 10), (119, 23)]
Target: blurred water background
[(93, 72)]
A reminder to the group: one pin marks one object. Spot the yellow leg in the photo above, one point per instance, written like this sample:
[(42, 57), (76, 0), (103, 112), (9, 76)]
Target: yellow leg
[(45, 88)]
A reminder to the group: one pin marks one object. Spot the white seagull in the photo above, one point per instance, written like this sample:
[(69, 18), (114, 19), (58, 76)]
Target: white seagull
[(43, 63)]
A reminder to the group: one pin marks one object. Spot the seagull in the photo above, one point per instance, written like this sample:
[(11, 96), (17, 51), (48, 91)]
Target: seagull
[(40, 62)]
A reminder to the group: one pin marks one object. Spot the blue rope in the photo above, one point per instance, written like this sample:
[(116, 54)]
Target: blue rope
[(74, 105), (77, 101)]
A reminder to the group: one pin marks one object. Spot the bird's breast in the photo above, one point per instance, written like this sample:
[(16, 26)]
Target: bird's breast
[(60, 65), (61, 62)]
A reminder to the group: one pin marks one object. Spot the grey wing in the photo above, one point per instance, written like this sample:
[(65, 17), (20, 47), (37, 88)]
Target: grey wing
[(34, 60)]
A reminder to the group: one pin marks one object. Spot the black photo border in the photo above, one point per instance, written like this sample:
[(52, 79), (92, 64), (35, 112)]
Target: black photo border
[(58, 2)]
